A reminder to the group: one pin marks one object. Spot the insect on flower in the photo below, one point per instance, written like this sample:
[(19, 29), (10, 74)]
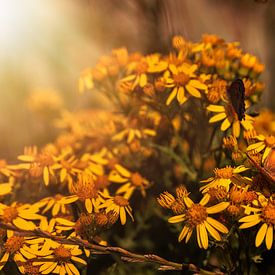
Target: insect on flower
[(235, 93), (268, 170)]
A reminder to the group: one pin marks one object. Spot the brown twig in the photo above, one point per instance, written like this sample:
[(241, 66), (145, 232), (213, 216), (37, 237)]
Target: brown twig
[(98, 249)]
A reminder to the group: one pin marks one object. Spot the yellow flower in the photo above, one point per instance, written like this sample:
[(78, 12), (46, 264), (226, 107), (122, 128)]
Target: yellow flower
[(119, 205), (86, 191), (265, 216), (44, 162), (15, 247), (177, 205), (56, 203), (264, 144), (183, 78), (224, 177), (60, 259), (197, 217), (140, 68), (20, 215), (230, 119), (133, 131), (130, 181)]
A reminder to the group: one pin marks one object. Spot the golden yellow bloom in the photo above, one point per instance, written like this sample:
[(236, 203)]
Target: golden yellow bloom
[(177, 205), (265, 123), (139, 70), (86, 191), (230, 119), (264, 143), (183, 78), (20, 215), (60, 259), (130, 181), (118, 204), (16, 247), (266, 216), (57, 204), (44, 161), (133, 131), (224, 177), (217, 90), (197, 217)]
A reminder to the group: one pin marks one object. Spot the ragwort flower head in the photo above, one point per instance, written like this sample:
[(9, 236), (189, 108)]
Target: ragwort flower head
[(197, 218)]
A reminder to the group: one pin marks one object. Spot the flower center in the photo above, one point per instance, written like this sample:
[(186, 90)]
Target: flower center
[(181, 79), (136, 179), (85, 189), (30, 269), (10, 213), (270, 141), (120, 201), (14, 243), (141, 67), (224, 173), (196, 215), (62, 254), (268, 214), (45, 159)]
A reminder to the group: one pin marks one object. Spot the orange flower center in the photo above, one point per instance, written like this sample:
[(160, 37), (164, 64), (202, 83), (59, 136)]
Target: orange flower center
[(181, 79), (137, 179), (141, 67), (196, 215), (30, 269), (45, 159), (270, 141), (224, 173), (62, 254), (268, 214), (14, 243), (120, 201), (10, 213)]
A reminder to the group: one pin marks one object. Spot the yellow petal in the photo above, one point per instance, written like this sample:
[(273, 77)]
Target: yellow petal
[(79, 260), (217, 117), (122, 215), (236, 128), (217, 208), (260, 235), (143, 80), (197, 84), (180, 95), (219, 226), (258, 146), (216, 108), (171, 96), (178, 218), (250, 218), (123, 171), (213, 232), (198, 236), (266, 152), (22, 224), (193, 91), (46, 175), (269, 237), (183, 233), (89, 205), (204, 236), (225, 125), (249, 224), (73, 269)]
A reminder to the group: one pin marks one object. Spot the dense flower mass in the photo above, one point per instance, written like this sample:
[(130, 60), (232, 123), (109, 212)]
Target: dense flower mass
[(172, 122)]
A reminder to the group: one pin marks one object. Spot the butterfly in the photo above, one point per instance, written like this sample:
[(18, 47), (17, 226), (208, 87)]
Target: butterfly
[(235, 93), (268, 170)]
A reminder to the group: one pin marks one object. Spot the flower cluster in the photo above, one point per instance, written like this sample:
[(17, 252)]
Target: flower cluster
[(171, 122)]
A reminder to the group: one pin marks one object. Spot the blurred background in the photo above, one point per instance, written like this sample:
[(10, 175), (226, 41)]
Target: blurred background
[(44, 46)]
